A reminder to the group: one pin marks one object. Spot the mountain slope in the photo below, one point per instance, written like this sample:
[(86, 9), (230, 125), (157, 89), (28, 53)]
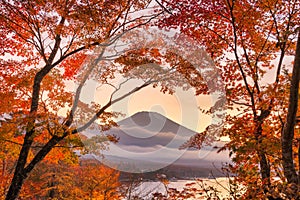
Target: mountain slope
[(148, 129), (149, 142)]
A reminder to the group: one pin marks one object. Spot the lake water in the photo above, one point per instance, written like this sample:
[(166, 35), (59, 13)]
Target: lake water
[(146, 189)]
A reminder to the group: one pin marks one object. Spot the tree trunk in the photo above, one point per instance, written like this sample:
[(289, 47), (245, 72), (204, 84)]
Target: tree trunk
[(288, 130), (265, 168), (19, 175), (15, 186), (263, 160), (21, 172)]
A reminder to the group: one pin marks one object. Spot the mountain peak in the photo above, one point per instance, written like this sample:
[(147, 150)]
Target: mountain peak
[(146, 118), (147, 113)]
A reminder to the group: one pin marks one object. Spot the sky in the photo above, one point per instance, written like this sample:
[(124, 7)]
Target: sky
[(181, 107)]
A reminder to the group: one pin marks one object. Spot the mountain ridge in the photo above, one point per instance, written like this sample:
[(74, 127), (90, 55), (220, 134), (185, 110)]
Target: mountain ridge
[(149, 141), (147, 129)]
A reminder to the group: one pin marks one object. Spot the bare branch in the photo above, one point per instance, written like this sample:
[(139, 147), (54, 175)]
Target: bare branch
[(107, 105), (163, 7)]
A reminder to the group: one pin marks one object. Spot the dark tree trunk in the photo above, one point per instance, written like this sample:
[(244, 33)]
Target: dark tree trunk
[(22, 173), (263, 160), (288, 130), (15, 186), (19, 174), (265, 167)]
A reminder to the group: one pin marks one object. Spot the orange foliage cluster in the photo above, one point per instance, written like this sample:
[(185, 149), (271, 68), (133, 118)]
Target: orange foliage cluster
[(84, 180)]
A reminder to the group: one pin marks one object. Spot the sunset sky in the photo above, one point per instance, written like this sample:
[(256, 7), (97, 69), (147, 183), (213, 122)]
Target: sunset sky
[(181, 107)]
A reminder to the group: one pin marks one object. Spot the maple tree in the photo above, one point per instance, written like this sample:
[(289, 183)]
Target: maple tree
[(89, 180), (245, 38), (48, 43), (43, 44), (99, 181)]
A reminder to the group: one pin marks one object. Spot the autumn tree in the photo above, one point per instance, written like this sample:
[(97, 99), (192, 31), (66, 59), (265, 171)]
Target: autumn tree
[(98, 181), (43, 44), (52, 178), (251, 42), (46, 42), (89, 180)]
